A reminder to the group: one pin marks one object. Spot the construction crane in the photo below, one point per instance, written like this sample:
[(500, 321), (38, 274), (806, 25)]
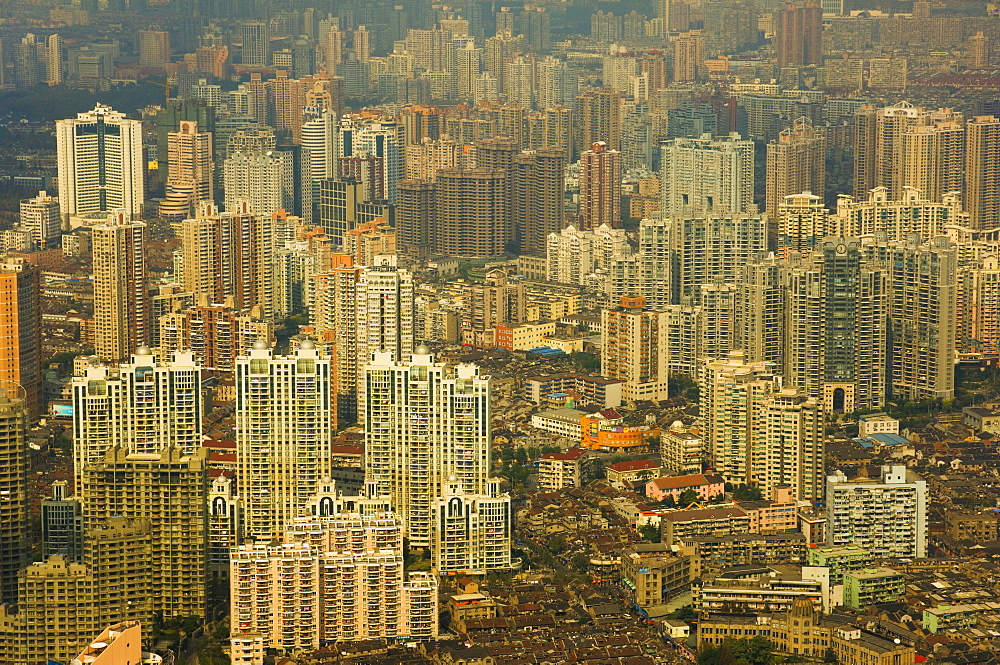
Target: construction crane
[(167, 87)]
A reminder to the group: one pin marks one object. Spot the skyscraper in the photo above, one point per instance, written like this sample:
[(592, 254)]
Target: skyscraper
[(982, 171), (634, 350), (472, 213), (99, 158), (121, 289), (714, 176), (20, 328), (384, 304), (538, 197), (145, 406), (266, 180), (600, 187), (796, 163), (256, 43), (599, 118), (282, 434), (191, 178), (40, 217), (689, 55), (427, 439), (13, 489), (154, 48), (799, 35), (933, 157)]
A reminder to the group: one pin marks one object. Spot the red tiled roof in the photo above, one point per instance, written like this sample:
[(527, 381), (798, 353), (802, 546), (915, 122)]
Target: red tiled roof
[(634, 465)]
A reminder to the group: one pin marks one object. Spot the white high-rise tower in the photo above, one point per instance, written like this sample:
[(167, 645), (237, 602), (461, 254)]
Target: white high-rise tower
[(99, 157)]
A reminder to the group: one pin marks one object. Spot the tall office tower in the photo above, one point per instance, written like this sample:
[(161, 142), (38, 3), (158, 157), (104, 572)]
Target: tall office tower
[(99, 158), (689, 55), (886, 516), (800, 222), (191, 178), (265, 180), (229, 255), (384, 319), (20, 328), (40, 218), (145, 405), (472, 213), (897, 219), (733, 393), (879, 157), (121, 289), (714, 176), (796, 163), (13, 489), (469, 62), (633, 350), (557, 83), (760, 310), (923, 292), (520, 80), (600, 186), (799, 35), (53, 60), (194, 110), (499, 299), (169, 488), (427, 438), (680, 255), (982, 171), (837, 314), (599, 118), (498, 50), (414, 214), (792, 428), (282, 434), (62, 523), (537, 193), (337, 577), (933, 157), (256, 43), (536, 24), (154, 48)]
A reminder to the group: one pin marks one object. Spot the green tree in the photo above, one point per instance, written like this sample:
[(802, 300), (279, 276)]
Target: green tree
[(650, 532), (830, 656), (688, 497), (557, 544), (581, 562), (744, 493), (588, 362)]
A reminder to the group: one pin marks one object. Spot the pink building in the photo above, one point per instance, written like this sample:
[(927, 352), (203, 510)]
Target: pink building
[(779, 513), (707, 486)]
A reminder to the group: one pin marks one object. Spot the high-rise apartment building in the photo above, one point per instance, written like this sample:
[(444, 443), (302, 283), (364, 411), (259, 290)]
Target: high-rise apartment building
[(498, 299), (191, 178), (20, 328), (896, 219), (572, 256), (256, 43), (796, 163), (978, 314), (472, 213), (225, 522), (384, 318), (154, 48), (169, 488), (336, 577), (933, 157), (99, 158), (427, 437), (886, 516), (121, 289), (799, 35), (792, 429), (144, 406), (282, 434), (599, 118), (600, 187), (982, 171), (13, 489), (40, 218), (923, 290), (537, 197), (837, 327), (633, 349), (228, 256), (62, 524), (265, 180), (214, 334), (714, 176), (760, 310), (472, 532), (800, 221), (689, 55), (558, 83)]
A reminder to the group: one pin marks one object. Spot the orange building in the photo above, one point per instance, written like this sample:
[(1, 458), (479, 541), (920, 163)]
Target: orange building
[(606, 430)]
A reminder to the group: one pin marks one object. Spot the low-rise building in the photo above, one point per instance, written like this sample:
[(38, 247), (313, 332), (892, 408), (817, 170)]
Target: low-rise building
[(624, 475), (606, 430), (755, 588), (777, 514), (117, 644), (468, 606), (944, 617), (877, 423), (584, 388), (981, 420), (803, 631), (840, 559), (681, 525), (962, 525), (682, 450), (558, 470), (564, 422), (716, 553), (871, 586), (523, 336), (652, 574), (705, 486)]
